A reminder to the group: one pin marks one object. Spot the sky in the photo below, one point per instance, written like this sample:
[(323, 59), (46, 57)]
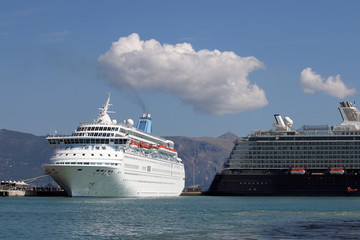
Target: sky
[(201, 68)]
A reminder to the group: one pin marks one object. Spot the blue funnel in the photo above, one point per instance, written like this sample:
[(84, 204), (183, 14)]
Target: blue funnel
[(144, 123)]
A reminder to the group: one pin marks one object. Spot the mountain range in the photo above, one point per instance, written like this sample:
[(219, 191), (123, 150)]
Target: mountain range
[(22, 154)]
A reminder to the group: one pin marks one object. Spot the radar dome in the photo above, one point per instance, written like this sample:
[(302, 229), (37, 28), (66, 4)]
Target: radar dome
[(288, 121), (114, 121), (130, 122)]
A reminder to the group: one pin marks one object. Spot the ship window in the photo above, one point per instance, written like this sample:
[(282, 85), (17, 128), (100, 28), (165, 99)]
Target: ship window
[(83, 154), (79, 169), (101, 128)]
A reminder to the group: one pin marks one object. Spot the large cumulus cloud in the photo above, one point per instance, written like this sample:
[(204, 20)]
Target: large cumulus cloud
[(334, 86), (212, 82)]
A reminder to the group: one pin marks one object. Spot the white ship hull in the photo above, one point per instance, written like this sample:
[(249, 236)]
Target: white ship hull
[(136, 177)]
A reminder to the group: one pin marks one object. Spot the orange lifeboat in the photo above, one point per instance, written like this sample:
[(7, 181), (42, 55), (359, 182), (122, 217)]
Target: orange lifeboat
[(337, 171), (144, 145), (153, 147), (350, 190), (166, 149), (297, 171), (134, 144)]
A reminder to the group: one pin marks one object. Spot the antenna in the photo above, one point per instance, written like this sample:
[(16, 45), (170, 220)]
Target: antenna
[(104, 117)]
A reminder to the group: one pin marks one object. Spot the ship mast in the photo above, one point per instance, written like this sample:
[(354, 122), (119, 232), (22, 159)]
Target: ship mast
[(103, 114)]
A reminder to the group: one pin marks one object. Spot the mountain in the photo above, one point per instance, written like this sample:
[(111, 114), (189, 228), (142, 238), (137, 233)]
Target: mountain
[(208, 153), (22, 154)]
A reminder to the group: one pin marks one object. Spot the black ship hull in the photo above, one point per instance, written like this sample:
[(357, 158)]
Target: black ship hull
[(285, 185)]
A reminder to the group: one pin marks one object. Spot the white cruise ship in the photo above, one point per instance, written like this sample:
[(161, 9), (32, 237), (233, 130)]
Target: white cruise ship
[(110, 159)]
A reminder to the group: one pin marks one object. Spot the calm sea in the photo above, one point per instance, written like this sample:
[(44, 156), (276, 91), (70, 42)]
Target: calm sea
[(197, 217)]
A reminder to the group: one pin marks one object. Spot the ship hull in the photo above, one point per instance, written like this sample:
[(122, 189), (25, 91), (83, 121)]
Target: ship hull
[(130, 175), (93, 181), (285, 184)]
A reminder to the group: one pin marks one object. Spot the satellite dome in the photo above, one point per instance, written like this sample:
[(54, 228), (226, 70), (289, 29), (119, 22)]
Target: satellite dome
[(130, 122)]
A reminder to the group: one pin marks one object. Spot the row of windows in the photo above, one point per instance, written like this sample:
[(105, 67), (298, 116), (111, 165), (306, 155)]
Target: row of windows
[(295, 148), (318, 157), (335, 161), (292, 153), (298, 143), (94, 134), (86, 163), (87, 141), (86, 129), (92, 154), (286, 166), (312, 138)]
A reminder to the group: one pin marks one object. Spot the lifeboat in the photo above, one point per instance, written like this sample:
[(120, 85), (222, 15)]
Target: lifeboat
[(144, 145), (162, 148), (351, 190), (134, 144), (337, 171), (153, 147), (297, 171)]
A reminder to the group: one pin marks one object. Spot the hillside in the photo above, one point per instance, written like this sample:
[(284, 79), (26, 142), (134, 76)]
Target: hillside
[(209, 155), (22, 154)]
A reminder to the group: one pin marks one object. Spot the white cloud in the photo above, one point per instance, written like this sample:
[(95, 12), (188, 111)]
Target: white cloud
[(333, 86), (212, 82)]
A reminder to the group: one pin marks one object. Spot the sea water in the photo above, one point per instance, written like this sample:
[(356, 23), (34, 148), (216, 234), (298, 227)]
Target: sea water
[(185, 217)]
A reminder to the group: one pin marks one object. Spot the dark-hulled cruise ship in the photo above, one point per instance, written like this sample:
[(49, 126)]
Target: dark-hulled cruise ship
[(313, 160)]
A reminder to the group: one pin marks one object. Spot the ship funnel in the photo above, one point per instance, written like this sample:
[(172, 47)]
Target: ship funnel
[(144, 123), (280, 125), (348, 112), (288, 122)]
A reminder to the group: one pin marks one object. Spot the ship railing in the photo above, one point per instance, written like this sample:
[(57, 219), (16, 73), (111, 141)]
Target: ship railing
[(267, 132), (100, 123), (298, 132)]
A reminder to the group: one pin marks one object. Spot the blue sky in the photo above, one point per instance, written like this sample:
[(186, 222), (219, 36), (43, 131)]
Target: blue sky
[(201, 68)]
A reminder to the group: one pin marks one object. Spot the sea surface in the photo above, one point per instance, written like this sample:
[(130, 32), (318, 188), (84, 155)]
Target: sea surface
[(185, 217)]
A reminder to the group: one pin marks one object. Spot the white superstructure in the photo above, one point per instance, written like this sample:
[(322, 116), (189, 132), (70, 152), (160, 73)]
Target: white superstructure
[(108, 159)]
